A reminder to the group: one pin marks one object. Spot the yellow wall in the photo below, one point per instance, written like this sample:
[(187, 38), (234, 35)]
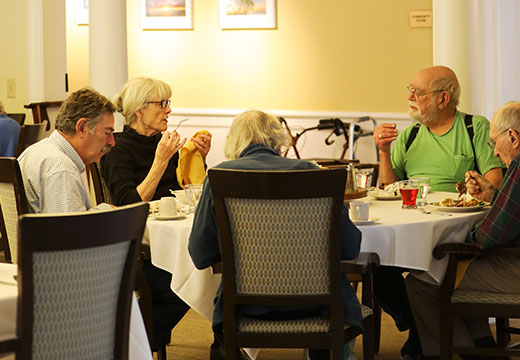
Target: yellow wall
[(333, 55), (13, 58)]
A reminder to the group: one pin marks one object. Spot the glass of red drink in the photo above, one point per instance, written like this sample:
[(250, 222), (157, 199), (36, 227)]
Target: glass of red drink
[(409, 190)]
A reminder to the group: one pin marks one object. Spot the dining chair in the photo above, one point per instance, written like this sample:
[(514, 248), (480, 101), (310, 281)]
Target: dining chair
[(12, 204), (101, 191), (30, 134), (280, 241), (144, 298), (19, 118), (470, 303), (142, 288), (75, 277)]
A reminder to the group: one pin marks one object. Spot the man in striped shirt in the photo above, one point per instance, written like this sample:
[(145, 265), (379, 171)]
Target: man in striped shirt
[(500, 227), (53, 168)]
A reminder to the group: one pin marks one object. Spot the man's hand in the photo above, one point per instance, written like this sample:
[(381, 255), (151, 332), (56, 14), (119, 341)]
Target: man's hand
[(479, 187), (384, 134)]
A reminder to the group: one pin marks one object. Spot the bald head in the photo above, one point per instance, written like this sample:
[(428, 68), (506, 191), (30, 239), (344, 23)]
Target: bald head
[(441, 78)]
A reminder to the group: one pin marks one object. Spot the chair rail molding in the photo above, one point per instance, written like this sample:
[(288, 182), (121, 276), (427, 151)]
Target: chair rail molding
[(311, 145)]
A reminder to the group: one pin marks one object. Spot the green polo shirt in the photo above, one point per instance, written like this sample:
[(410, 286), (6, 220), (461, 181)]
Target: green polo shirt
[(444, 158)]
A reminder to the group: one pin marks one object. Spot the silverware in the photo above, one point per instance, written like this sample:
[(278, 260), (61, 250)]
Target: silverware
[(180, 122), (424, 211)]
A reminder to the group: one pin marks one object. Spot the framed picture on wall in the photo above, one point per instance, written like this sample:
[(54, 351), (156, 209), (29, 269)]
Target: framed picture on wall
[(167, 14), (247, 14), (81, 12)]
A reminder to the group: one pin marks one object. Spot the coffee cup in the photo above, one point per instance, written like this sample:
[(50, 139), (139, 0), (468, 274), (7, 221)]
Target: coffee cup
[(167, 206), (359, 210)]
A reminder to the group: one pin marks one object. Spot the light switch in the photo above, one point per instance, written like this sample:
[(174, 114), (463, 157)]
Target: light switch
[(11, 88)]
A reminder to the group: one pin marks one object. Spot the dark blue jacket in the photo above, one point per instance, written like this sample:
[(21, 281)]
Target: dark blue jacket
[(204, 246)]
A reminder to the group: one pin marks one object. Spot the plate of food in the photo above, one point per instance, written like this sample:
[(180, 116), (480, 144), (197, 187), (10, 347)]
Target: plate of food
[(459, 205), (390, 192)]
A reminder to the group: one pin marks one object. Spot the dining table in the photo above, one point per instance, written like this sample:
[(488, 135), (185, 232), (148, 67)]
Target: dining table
[(139, 347), (401, 237), (406, 237)]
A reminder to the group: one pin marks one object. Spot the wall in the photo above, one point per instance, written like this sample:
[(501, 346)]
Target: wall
[(13, 62), (325, 55), (334, 58)]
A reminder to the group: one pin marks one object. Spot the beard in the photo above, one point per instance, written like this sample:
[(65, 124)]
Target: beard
[(427, 118), (106, 149)]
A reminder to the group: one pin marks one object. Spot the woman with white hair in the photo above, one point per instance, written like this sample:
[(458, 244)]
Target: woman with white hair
[(142, 165), (254, 142)]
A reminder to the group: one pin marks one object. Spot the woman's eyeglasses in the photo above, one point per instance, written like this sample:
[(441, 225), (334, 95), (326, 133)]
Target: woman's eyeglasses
[(164, 103)]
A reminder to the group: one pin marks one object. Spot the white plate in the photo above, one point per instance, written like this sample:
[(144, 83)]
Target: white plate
[(174, 217), (366, 222), (392, 197), (458, 209)]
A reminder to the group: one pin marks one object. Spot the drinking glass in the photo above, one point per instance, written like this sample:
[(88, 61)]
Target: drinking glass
[(424, 189), (193, 192), (409, 190)]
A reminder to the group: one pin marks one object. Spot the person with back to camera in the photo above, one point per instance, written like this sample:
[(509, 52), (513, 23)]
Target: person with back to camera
[(443, 146), (142, 166), (9, 133), (254, 142)]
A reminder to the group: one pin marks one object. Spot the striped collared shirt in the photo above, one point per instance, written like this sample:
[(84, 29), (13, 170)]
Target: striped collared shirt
[(52, 176)]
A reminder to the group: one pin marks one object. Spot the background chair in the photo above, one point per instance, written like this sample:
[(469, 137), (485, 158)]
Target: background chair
[(142, 288), (280, 241), (13, 203), (76, 275), (30, 134), (469, 303), (101, 191), (19, 118)]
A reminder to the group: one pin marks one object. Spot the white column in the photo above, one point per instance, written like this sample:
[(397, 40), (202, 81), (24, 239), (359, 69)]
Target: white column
[(108, 66), (480, 41)]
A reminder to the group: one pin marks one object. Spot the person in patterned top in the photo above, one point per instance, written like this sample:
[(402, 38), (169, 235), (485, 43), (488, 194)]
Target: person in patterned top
[(500, 227)]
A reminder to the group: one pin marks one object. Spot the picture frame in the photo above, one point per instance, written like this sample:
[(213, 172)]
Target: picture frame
[(247, 14), (166, 14), (81, 11)]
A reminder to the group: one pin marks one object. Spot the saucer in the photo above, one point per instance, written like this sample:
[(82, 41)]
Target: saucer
[(170, 217), (366, 222)]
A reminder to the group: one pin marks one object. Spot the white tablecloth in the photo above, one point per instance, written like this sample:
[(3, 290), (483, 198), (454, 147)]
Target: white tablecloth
[(169, 249), (139, 347), (406, 237)]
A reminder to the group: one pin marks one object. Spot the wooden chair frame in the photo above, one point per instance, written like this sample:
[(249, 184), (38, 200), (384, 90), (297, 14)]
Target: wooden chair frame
[(448, 309), (30, 134), (283, 185), (45, 233), (10, 173)]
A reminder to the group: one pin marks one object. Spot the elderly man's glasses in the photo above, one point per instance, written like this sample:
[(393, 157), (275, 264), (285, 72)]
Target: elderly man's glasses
[(164, 103), (491, 142), (418, 93)]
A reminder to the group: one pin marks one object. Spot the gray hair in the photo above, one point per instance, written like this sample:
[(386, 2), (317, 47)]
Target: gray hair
[(255, 127), (85, 103), (2, 109), (136, 93), (450, 85), (507, 117)]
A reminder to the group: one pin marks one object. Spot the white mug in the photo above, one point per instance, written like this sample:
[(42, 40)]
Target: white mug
[(359, 210), (168, 206)]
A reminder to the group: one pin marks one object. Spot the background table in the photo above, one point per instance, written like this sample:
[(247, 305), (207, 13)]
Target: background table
[(406, 237), (139, 348)]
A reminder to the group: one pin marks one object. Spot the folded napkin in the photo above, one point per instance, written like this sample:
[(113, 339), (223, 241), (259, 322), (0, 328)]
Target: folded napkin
[(190, 169)]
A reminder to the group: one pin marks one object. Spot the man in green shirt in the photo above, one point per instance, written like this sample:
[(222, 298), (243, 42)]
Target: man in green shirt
[(441, 149)]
